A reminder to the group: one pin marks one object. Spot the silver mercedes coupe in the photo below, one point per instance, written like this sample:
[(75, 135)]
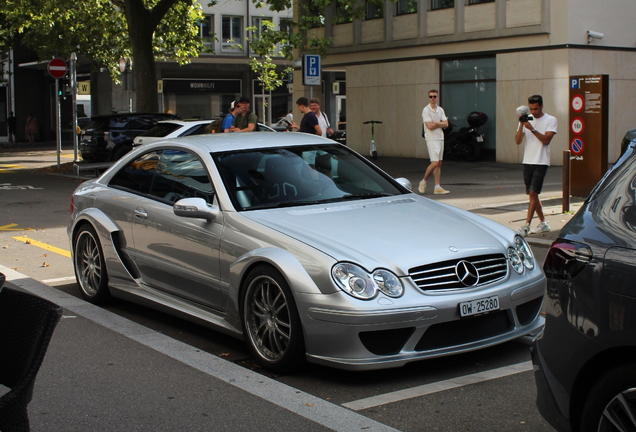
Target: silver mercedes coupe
[(302, 248)]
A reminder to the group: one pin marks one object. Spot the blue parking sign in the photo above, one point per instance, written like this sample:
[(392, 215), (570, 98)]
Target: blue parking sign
[(574, 83), (311, 70)]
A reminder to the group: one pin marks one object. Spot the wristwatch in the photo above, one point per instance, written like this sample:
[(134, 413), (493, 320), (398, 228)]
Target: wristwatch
[(533, 130)]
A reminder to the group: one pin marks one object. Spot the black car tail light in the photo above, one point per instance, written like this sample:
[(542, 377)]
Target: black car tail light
[(566, 259)]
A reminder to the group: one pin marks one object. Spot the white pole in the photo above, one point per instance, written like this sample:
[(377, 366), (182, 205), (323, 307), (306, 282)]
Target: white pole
[(58, 137), (73, 76)]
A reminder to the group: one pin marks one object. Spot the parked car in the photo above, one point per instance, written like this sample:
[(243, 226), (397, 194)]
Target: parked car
[(585, 364), (286, 240), (109, 137), (177, 128)]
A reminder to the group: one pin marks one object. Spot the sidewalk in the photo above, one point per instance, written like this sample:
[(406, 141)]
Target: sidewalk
[(103, 372)]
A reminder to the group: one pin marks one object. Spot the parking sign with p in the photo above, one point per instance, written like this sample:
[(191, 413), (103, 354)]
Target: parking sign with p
[(311, 70)]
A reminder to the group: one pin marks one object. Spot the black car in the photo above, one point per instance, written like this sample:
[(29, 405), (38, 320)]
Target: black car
[(585, 359), (109, 137)]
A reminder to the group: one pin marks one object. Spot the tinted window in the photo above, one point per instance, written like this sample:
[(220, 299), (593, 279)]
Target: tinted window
[(167, 175), (161, 130), (304, 175), (196, 130)]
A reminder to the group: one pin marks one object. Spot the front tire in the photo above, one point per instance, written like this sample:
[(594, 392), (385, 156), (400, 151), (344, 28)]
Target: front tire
[(272, 327), (89, 265), (612, 402)]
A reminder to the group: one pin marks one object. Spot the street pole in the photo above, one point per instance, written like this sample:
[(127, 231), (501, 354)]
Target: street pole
[(73, 76), (58, 135)]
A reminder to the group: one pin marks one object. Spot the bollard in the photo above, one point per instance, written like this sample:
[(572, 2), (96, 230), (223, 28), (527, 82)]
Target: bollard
[(566, 181)]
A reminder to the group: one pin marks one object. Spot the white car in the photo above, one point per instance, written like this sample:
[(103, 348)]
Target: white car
[(174, 129)]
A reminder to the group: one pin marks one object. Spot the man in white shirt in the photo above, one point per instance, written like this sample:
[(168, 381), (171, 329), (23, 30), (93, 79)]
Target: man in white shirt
[(537, 134), (323, 121), (434, 119)]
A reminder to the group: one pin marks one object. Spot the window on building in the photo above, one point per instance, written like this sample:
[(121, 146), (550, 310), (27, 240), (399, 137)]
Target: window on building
[(344, 13), (442, 4), (314, 14), (374, 9), (286, 25), (259, 23), (472, 2), (232, 34), (206, 30), (404, 7)]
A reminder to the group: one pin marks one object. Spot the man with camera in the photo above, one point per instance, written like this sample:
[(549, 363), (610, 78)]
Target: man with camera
[(537, 129)]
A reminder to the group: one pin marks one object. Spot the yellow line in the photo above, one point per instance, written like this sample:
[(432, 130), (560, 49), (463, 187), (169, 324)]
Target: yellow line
[(44, 246), (10, 228)]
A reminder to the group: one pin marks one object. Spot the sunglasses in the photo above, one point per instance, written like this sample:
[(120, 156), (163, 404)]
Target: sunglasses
[(432, 96)]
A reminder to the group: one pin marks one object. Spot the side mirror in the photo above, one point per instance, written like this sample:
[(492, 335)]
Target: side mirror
[(404, 182), (195, 208)]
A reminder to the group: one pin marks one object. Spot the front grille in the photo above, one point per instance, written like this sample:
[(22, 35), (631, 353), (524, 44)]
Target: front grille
[(465, 331), (443, 275)]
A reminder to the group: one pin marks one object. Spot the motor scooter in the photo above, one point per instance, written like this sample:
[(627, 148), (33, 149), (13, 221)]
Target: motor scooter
[(465, 144)]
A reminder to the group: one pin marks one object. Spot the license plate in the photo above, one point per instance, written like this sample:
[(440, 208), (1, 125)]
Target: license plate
[(480, 306), (479, 138)]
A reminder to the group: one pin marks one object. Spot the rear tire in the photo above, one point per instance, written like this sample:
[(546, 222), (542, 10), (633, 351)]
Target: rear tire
[(89, 265), (469, 151), (271, 324), (610, 401)]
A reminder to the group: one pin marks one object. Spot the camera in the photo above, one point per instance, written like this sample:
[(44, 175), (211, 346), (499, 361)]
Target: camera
[(524, 114)]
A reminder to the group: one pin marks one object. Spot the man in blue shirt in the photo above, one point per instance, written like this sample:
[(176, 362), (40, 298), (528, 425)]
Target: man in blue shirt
[(235, 109)]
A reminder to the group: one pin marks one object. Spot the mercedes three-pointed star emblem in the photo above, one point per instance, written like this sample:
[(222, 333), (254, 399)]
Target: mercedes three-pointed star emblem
[(467, 273)]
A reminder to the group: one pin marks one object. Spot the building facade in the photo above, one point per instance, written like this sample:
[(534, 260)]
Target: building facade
[(483, 55)]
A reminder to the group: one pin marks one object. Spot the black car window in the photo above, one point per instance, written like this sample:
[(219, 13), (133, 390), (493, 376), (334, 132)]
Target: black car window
[(161, 130), (137, 176), (168, 175), (195, 130), (180, 174), (139, 123)]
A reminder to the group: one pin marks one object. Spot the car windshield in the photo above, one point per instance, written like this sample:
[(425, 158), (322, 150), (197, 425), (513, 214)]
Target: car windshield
[(161, 130), (302, 175)]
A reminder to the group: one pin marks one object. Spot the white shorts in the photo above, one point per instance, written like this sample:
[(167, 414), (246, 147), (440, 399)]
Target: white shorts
[(435, 150)]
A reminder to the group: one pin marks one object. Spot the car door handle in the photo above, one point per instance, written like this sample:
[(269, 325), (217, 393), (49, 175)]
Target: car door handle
[(140, 213)]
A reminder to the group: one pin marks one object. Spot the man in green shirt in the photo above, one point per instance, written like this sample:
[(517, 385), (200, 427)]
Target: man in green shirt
[(246, 120)]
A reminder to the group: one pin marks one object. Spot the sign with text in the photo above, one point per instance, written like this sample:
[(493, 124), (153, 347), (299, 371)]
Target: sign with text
[(311, 70), (588, 126)]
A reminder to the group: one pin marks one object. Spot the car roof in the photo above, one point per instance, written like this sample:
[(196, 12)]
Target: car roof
[(187, 122), (221, 142), (108, 116)]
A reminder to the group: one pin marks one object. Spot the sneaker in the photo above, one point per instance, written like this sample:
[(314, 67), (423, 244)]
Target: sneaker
[(441, 191), (541, 228), (524, 230), (422, 187)]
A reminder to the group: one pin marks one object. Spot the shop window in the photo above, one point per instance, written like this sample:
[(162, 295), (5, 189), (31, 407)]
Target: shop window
[(472, 2), (442, 4), (206, 30), (374, 9), (404, 7), (232, 34)]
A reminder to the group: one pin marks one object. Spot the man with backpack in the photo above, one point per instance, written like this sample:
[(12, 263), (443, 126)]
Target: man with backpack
[(246, 121)]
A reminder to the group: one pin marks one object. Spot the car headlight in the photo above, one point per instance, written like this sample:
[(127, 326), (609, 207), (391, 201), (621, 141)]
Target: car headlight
[(357, 282), (521, 256)]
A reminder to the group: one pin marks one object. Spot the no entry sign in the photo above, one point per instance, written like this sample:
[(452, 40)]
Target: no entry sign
[(57, 68)]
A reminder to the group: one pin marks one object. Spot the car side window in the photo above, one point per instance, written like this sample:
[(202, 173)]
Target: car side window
[(180, 174), (137, 176)]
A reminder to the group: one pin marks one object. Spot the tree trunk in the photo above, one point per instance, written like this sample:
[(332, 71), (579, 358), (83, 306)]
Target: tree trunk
[(142, 24)]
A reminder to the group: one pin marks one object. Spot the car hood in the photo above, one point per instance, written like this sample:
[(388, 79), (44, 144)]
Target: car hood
[(397, 233)]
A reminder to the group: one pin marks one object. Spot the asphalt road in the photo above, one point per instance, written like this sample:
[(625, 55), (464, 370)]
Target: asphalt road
[(488, 390)]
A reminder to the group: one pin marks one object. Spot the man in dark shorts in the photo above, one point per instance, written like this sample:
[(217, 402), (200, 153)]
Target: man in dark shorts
[(537, 135), (309, 123)]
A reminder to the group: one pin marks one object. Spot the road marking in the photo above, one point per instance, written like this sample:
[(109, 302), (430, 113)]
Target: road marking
[(48, 247), (439, 386), (320, 411), (61, 279), (6, 168), (10, 228)]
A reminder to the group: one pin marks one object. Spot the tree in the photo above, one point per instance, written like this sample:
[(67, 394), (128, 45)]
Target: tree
[(105, 31), (263, 43)]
